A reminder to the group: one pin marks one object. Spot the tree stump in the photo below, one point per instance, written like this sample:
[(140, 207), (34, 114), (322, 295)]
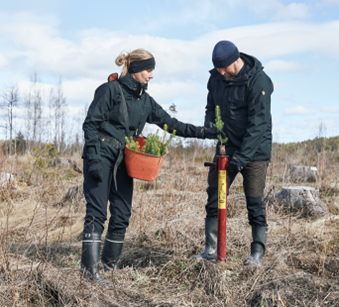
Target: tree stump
[(303, 173), (7, 179), (74, 198), (302, 199), (76, 166), (62, 162)]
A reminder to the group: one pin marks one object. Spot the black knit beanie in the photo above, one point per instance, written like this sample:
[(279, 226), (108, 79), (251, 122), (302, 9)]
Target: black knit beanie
[(224, 54)]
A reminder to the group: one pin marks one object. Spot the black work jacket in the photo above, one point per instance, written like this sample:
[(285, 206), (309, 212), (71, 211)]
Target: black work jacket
[(245, 104), (104, 126)]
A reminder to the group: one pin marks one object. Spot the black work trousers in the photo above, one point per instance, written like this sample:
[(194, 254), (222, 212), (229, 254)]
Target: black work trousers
[(254, 176), (97, 195)]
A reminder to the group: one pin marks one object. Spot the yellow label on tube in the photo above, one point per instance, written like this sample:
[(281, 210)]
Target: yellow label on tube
[(222, 181)]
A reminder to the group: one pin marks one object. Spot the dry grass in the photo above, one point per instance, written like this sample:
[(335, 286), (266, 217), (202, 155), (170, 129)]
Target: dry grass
[(40, 244)]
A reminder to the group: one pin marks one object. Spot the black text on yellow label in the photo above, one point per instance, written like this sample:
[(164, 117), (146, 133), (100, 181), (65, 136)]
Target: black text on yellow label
[(222, 182)]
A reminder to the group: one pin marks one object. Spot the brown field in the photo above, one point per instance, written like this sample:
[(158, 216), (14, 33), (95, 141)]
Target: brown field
[(40, 247)]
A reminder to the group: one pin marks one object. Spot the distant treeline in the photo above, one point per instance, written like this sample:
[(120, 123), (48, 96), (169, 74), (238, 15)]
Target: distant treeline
[(196, 149), (319, 144)]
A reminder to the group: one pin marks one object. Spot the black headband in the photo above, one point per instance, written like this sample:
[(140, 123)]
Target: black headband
[(138, 66)]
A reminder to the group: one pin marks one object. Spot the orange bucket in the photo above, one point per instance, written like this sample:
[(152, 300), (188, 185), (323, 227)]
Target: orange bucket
[(142, 166)]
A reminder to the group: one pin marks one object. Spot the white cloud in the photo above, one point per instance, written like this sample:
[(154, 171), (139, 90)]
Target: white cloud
[(298, 110), (331, 109), (282, 85), (263, 7), (3, 61), (279, 11), (296, 131), (175, 89), (277, 121), (41, 47), (81, 92), (280, 66), (292, 11), (290, 98), (287, 38), (330, 2), (203, 13), (302, 101), (299, 130)]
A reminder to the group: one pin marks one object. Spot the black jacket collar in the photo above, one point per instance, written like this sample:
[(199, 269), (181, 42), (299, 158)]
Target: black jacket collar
[(132, 86)]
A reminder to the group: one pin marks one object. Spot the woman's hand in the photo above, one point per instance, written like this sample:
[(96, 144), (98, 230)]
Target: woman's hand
[(95, 170)]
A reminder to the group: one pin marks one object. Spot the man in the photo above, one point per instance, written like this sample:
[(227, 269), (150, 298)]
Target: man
[(243, 91)]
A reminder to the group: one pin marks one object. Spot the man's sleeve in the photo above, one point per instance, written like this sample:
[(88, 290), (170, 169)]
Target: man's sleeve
[(160, 117), (210, 108), (97, 111), (259, 117)]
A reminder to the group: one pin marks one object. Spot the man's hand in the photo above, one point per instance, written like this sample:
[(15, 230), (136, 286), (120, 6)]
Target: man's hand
[(211, 133), (234, 166), (95, 170)]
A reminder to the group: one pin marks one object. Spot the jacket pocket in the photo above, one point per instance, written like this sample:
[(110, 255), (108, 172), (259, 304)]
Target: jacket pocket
[(109, 147)]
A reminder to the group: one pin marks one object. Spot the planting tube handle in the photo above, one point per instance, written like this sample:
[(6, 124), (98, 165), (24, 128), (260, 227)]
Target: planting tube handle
[(209, 164)]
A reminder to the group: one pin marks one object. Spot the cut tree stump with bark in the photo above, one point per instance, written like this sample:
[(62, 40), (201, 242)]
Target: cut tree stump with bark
[(62, 162), (74, 198), (6, 180), (68, 163), (300, 173), (76, 166), (302, 199)]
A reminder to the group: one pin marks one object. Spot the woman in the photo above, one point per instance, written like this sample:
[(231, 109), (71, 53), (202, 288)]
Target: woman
[(107, 123)]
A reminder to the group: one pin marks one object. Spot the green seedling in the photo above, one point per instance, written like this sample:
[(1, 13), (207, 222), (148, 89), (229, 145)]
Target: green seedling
[(131, 144), (154, 144), (219, 125)]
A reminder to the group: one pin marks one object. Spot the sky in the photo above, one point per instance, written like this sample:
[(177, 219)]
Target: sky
[(297, 43)]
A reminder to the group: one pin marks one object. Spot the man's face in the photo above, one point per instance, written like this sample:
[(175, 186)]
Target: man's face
[(229, 72)]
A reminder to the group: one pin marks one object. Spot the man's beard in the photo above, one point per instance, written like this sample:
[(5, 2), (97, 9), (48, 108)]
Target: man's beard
[(229, 77)]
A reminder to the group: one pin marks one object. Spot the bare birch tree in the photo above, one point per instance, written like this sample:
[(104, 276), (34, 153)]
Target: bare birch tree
[(36, 94), (33, 110), (9, 103), (59, 108), (50, 126), (28, 104)]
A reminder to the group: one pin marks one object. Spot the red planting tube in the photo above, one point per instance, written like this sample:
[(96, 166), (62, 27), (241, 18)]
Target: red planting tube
[(221, 168)]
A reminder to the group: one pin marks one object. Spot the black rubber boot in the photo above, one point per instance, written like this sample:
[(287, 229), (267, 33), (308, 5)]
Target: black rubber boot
[(91, 243), (112, 251), (211, 234), (259, 235)]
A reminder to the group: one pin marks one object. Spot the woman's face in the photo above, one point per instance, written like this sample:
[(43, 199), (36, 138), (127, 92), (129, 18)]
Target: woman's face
[(143, 76)]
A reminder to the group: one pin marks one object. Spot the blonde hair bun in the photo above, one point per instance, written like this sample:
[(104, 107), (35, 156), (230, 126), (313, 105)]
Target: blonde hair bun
[(122, 58)]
